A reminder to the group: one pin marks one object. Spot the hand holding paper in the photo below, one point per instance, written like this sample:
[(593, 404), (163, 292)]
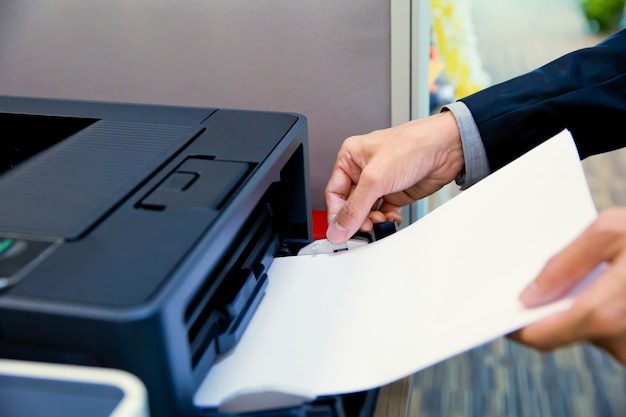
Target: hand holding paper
[(598, 315), (430, 152), (357, 320)]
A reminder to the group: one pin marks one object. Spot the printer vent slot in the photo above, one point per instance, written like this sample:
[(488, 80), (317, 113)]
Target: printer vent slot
[(220, 310)]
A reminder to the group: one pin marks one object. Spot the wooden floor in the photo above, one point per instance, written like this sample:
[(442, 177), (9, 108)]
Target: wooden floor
[(503, 378)]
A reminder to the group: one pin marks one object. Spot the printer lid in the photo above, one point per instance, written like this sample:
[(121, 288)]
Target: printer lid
[(89, 165)]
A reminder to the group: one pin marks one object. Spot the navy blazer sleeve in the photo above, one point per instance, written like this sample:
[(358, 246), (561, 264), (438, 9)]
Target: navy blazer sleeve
[(583, 91)]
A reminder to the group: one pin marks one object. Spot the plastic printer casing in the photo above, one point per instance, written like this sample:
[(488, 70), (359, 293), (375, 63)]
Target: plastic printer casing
[(138, 237)]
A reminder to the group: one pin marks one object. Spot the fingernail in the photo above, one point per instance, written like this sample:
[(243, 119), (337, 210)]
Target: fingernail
[(336, 233), (533, 295)]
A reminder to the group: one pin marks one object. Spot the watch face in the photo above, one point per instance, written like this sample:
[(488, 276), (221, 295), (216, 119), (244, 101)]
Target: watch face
[(19, 256)]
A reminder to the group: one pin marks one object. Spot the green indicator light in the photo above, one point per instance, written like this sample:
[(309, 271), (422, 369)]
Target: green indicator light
[(5, 244)]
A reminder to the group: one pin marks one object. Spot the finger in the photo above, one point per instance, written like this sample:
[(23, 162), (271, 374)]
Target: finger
[(605, 302), (615, 346), (367, 226), (563, 271), (354, 212), (598, 313), (375, 217), (391, 211), (394, 216), (558, 330), (380, 217), (338, 189)]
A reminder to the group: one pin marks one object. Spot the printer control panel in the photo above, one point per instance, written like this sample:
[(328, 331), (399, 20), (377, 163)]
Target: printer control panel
[(18, 256)]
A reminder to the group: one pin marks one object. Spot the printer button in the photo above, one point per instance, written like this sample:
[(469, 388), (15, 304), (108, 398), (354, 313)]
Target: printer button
[(179, 181)]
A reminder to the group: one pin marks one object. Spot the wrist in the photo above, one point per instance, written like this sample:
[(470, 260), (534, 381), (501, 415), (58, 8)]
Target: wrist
[(476, 163), (452, 144)]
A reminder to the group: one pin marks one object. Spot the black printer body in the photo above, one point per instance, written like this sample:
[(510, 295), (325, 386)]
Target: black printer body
[(139, 237)]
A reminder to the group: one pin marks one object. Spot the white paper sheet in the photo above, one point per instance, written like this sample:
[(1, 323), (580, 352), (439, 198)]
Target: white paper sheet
[(356, 320)]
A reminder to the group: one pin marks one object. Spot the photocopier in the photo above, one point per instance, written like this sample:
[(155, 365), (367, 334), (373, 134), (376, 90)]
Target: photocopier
[(138, 237)]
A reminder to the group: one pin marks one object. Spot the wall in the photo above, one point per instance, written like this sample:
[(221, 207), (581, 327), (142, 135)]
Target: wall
[(327, 59)]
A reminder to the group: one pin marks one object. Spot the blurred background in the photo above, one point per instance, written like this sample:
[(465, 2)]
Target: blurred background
[(503, 39)]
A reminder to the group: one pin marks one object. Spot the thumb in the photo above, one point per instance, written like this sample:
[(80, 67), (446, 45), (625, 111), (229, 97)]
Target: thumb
[(352, 214), (557, 278), (566, 269)]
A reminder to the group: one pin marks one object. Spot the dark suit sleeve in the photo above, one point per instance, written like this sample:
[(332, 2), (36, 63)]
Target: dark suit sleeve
[(583, 91)]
